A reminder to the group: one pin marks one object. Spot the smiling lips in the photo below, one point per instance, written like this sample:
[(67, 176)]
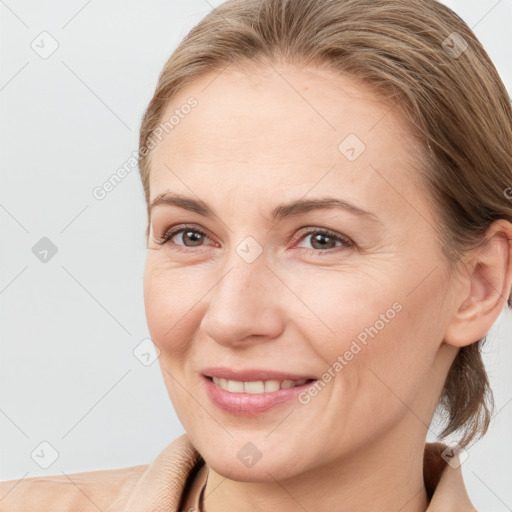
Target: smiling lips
[(250, 392)]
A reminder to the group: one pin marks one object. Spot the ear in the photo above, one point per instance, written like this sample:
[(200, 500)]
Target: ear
[(485, 287)]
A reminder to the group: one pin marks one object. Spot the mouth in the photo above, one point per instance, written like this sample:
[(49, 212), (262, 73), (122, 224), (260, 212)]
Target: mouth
[(252, 397)]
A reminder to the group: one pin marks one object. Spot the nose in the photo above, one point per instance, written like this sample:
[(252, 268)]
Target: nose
[(244, 306)]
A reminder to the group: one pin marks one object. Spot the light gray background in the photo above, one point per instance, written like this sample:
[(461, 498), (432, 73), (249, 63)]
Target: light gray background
[(69, 326)]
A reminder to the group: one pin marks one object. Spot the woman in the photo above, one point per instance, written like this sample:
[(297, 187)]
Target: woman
[(329, 228)]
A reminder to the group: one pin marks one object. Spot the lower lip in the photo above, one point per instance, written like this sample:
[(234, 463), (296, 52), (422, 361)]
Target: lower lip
[(250, 404)]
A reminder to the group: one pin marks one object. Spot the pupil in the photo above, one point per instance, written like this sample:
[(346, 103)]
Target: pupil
[(318, 239), (193, 234)]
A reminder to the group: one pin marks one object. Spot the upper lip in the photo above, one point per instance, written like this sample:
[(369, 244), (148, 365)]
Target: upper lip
[(252, 374)]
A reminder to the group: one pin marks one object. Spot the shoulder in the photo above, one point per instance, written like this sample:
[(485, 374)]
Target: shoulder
[(85, 491), (109, 490)]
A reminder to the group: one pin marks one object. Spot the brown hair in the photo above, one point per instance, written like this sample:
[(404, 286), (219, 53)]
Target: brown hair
[(412, 53)]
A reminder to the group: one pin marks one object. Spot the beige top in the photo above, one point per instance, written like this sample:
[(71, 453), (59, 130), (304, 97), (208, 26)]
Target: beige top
[(174, 482)]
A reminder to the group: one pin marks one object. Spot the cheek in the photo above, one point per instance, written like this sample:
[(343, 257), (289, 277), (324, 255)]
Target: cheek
[(353, 310), (172, 305), (382, 339), (401, 339)]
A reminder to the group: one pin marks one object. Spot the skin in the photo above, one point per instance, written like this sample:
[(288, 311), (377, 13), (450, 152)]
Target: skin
[(265, 136)]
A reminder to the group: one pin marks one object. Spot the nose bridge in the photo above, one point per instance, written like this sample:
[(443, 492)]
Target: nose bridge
[(243, 285), (245, 269), (243, 302)]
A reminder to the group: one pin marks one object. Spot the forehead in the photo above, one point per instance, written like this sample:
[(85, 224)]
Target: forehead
[(284, 128)]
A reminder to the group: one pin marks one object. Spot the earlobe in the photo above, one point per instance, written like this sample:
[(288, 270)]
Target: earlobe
[(486, 286)]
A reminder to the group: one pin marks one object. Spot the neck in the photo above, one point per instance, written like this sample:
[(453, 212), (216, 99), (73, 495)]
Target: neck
[(383, 475)]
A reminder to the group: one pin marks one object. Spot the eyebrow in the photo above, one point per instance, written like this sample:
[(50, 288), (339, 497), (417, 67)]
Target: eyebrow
[(281, 211)]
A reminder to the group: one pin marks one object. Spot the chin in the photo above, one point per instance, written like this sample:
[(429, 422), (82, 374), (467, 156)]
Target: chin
[(242, 461), (262, 471)]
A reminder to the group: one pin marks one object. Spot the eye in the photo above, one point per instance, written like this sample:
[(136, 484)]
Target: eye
[(188, 234), (324, 239)]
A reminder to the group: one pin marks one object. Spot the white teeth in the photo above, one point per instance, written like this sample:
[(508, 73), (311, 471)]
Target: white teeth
[(254, 387), (271, 385), (235, 386), (287, 384)]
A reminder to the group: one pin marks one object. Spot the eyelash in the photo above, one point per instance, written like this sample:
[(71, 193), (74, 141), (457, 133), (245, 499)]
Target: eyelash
[(172, 232)]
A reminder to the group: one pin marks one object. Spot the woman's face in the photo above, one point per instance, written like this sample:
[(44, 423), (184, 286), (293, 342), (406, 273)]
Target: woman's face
[(251, 280)]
